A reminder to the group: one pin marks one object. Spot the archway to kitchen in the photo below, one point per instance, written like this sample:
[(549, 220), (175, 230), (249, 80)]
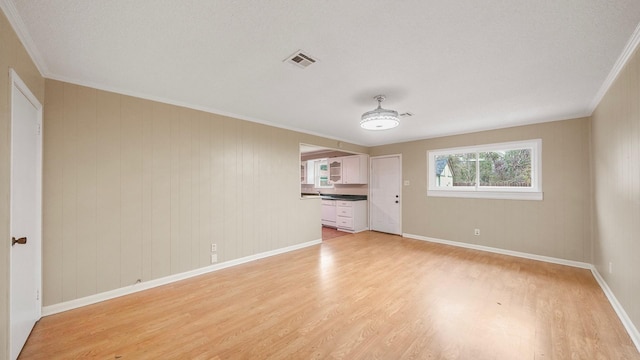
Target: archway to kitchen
[(340, 179)]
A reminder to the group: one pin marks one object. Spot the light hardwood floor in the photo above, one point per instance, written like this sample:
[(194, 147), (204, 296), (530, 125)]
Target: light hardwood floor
[(359, 296), (330, 233)]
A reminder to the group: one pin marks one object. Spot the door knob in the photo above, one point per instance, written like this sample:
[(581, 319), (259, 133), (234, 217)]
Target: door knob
[(21, 241)]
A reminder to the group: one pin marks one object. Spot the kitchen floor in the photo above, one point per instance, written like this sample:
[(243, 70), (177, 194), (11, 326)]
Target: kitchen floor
[(330, 233)]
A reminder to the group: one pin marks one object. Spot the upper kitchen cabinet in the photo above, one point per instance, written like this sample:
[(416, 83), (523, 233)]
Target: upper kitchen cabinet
[(355, 169), (335, 170), (349, 169), (322, 174), (325, 167)]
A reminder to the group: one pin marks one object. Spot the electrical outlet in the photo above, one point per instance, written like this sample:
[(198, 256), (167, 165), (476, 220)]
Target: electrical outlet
[(476, 232), (214, 247), (214, 258), (610, 267)]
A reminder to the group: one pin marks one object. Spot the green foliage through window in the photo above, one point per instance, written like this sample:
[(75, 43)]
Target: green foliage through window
[(508, 170), (511, 168), (461, 167)]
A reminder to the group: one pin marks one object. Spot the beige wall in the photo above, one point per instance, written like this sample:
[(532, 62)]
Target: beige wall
[(135, 189), (558, 226), (12, 55), (616, 188)]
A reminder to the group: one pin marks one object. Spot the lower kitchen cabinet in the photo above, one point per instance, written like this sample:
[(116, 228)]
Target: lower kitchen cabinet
[(351, 216), (329, 213)]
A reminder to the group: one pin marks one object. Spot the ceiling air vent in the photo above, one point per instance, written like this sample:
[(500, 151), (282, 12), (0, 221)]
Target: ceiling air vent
[(300, 59)]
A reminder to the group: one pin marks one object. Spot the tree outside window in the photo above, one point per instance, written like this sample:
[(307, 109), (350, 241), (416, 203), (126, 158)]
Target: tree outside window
[(505, 171)]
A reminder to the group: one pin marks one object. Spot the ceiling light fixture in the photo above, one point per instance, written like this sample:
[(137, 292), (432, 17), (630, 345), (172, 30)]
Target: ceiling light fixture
[(379, 119)]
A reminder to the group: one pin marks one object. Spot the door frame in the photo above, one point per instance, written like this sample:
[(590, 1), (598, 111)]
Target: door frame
[(18, 85), (399, 156)]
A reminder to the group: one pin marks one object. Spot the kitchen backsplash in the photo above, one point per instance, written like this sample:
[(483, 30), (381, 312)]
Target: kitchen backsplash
[(338, 189)]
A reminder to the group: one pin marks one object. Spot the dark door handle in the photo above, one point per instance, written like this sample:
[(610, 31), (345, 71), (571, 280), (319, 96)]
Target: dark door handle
[(21, 241), (396, 201)]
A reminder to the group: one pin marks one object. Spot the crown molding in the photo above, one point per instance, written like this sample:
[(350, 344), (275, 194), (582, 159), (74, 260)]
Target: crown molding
[(188, 105), (11, 12), (628, 51)]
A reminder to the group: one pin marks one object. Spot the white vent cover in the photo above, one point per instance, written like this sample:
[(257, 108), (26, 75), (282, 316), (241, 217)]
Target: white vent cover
[(300, 59)]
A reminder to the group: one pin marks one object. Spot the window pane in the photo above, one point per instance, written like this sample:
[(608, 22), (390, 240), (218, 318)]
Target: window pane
[(510, 168), (456, 170), (322, 174)]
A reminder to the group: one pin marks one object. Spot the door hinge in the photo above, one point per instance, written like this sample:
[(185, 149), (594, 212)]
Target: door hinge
[(38, 129), (37, 294)]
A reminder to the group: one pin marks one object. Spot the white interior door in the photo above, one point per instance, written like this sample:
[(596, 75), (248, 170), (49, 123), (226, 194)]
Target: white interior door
[(385, 194), (26, 193)]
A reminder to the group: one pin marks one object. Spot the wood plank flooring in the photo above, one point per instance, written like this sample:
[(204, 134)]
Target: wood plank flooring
[(330, 233), (360, 296)]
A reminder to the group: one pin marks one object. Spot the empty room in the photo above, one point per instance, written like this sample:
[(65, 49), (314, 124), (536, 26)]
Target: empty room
[(319, 179)]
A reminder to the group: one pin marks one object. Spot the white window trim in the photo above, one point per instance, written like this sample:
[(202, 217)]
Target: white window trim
[(532, 193)]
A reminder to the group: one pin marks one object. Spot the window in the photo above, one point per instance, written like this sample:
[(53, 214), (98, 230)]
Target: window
[(495, 171), (322, 174)]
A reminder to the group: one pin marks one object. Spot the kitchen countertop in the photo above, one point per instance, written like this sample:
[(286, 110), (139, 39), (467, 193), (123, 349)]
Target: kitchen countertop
[(335, 197)]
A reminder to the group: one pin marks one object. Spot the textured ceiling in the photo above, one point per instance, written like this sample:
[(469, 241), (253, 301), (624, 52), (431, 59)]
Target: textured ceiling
[(459, 66)]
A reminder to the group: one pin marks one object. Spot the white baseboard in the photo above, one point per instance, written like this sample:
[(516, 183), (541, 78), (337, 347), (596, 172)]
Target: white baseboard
[(624, 318), (626, 321), (519, 254), (92, 299)]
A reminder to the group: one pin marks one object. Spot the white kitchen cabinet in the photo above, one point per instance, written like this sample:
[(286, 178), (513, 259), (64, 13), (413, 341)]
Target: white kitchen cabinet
[(303, 172), (322, 174), (355, 169), (329, 213), (335, 170), (351, 216)]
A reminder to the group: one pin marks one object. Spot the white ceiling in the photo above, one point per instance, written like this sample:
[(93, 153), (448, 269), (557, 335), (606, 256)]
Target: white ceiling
[(459, 66)]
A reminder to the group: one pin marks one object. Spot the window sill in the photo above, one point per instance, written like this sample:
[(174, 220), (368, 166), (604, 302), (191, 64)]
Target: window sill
[(500, 195)]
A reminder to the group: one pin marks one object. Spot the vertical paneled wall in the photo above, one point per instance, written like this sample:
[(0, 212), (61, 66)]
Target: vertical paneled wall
[(558, 226), (616, 188), (135, 189), (12, 55)]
